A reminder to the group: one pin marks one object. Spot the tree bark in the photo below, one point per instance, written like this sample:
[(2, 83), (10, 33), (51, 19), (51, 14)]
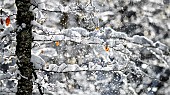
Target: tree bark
[(23, 48)]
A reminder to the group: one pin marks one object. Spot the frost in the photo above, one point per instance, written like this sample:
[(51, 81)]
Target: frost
[(73, 67), (142, 40), (39, 15), (80, 30), (62, 67), (154, 89), (135, 31), (161, 46), (23, 25), (158, 1), (73, 34), (48, 38), (110, 33), (52, 67), (144, 66), (49, 52), (168, 24), (5, 76), (38, 62)]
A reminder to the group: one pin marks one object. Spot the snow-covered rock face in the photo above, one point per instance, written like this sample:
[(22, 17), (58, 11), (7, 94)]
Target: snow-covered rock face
[(108, 47)]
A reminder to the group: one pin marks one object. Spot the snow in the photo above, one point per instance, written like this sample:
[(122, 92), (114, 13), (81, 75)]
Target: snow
[(80, 30), (62, 67), (80, 65), (73, 34), (110, 33), (142, 40), (5, 76), (48, 38), (154, 89), (144, 66), (37, 61), (161, 46), (157, 1), (73, 67)]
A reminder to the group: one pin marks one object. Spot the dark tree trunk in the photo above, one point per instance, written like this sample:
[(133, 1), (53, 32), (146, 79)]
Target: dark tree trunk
[(64, 20), (23, 48)]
